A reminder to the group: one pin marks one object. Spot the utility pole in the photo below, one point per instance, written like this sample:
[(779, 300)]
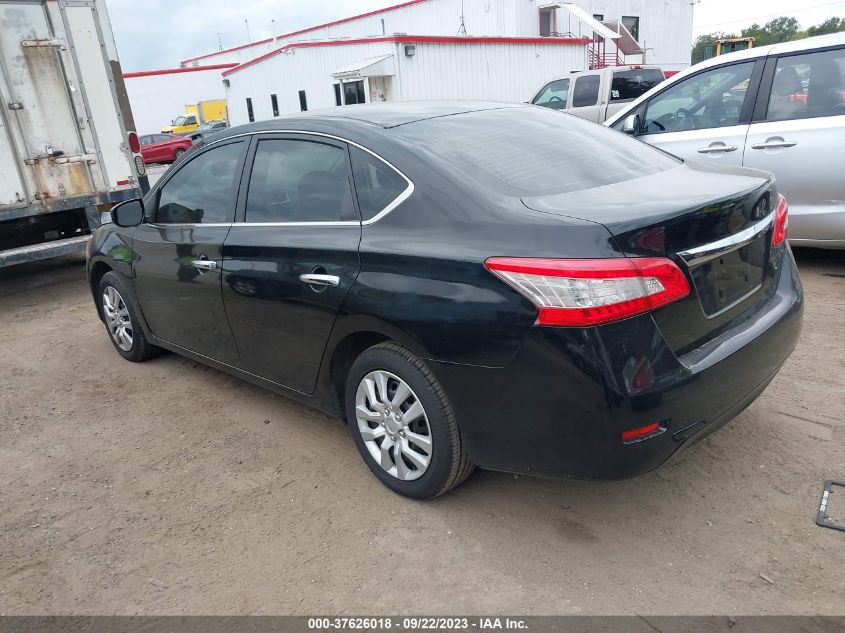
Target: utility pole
[(248, 37), (273, 27), (219, 41)]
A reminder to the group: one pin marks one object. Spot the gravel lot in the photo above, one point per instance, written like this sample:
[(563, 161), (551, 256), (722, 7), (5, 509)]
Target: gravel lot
[(167, 487)]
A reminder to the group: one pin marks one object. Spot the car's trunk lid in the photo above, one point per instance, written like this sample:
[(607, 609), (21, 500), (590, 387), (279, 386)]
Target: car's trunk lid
[(713, 222)]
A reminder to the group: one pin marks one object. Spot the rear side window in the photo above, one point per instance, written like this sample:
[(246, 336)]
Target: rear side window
[(299, 181), (202, 191), (553, 95), (630, 84), (805, 86), (586, 91), (532, 151), (377, 184)]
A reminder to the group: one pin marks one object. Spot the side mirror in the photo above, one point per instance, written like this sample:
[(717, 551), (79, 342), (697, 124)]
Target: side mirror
[(631, 124), (129, 213)]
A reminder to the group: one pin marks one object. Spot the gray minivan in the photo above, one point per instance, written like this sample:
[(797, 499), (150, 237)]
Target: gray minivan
[(780, 108)]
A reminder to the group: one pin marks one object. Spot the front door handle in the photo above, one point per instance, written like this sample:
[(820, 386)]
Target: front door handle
[(774, 144), (204, 264), (718, 149), (315, 279)]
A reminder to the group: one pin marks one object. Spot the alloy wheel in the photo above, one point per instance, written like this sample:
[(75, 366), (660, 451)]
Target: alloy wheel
[(117, 318), (393, 424)]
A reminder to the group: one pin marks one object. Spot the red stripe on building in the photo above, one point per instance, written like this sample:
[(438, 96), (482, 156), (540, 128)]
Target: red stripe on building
[(171, 71), (308, 30), (416, 39)]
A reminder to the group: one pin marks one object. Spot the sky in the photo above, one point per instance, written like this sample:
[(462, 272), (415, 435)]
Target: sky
[(154, 34)]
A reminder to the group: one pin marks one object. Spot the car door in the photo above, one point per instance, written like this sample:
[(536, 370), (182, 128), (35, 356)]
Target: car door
[(704, 116), (585, 101), (158, 148), (292, 256), (797, 134), (178, 251)]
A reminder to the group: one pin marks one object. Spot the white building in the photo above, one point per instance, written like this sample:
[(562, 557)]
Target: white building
[(460, 49), (157, 96)]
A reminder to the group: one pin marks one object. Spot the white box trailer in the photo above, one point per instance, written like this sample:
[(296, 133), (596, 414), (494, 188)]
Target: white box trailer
[(68, 150)]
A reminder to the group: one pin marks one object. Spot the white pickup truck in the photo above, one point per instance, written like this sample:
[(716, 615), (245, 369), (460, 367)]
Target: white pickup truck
[(598, 94), (67, 151)]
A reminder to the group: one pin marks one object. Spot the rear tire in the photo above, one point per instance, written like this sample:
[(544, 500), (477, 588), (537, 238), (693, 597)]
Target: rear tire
[(121, 317), (177, 154), (403, 424)]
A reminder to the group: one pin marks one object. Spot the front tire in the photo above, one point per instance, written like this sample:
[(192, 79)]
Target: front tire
[(403, 424), (122, 320)]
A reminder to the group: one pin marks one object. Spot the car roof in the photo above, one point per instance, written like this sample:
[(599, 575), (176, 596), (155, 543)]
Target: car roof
[(576, 73), (384, 115), (807, 44)]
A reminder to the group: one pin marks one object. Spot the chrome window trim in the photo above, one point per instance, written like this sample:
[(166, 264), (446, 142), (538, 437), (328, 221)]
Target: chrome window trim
[(707, 252), (164, 225), (406, 193)]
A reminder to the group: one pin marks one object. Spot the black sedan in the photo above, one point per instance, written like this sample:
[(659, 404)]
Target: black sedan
[(465, 284)]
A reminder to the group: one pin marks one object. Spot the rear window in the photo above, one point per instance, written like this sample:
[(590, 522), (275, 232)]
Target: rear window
[(530, 151), (586, 91), (630, 84)]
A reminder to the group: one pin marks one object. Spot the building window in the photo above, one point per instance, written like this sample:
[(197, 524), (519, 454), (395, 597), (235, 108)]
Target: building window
[(249, 110), (353, 92), (303, 103), (598, 17), (547, 22), (632, 23), (337, 98), (275, 103)]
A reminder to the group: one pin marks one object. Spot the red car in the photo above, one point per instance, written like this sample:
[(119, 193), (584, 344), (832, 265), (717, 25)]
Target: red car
[(163, 148)]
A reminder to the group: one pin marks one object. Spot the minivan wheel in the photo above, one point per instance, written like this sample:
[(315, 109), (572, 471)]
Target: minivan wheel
[(403, 424), (121, 320)]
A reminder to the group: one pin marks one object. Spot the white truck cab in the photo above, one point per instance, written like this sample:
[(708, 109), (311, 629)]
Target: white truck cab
[(597, 94)]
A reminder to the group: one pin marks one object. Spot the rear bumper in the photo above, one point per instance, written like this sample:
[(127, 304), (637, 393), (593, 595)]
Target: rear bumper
[(560, 407)]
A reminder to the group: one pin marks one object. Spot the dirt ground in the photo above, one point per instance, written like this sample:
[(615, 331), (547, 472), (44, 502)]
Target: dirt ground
[(162, 488)]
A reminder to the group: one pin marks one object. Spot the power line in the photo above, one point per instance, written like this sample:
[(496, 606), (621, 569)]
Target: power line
[(770, 15)]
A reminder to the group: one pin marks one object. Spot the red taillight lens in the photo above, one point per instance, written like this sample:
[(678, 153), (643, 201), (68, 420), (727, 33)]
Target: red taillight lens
[(781, 222), (583, 292), (642, 433), (134, 145)]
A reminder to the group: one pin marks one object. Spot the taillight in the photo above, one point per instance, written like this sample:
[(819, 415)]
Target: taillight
[(781, 221), (134, 145), (583, 292), (642, 433)]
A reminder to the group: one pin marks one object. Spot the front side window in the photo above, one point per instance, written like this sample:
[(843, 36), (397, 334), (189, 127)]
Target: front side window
[(586, 91), (632, 23), (707, 100), (627, 85), (202, 191), (553, 95), (191, 120), (299, 181), (376, 183), (805, 86)]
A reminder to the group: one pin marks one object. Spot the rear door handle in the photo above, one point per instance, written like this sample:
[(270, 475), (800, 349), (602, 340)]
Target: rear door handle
[(718, 149), (774, 144), (314, 279)]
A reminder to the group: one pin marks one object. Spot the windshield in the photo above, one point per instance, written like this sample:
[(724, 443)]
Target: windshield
[(630, 84), (529, 151), (179, 120)]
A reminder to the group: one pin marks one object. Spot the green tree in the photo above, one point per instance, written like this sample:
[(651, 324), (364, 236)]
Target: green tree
[(831, 25)]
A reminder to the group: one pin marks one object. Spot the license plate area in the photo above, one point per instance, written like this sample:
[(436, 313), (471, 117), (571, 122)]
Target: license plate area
[(728, 279)]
